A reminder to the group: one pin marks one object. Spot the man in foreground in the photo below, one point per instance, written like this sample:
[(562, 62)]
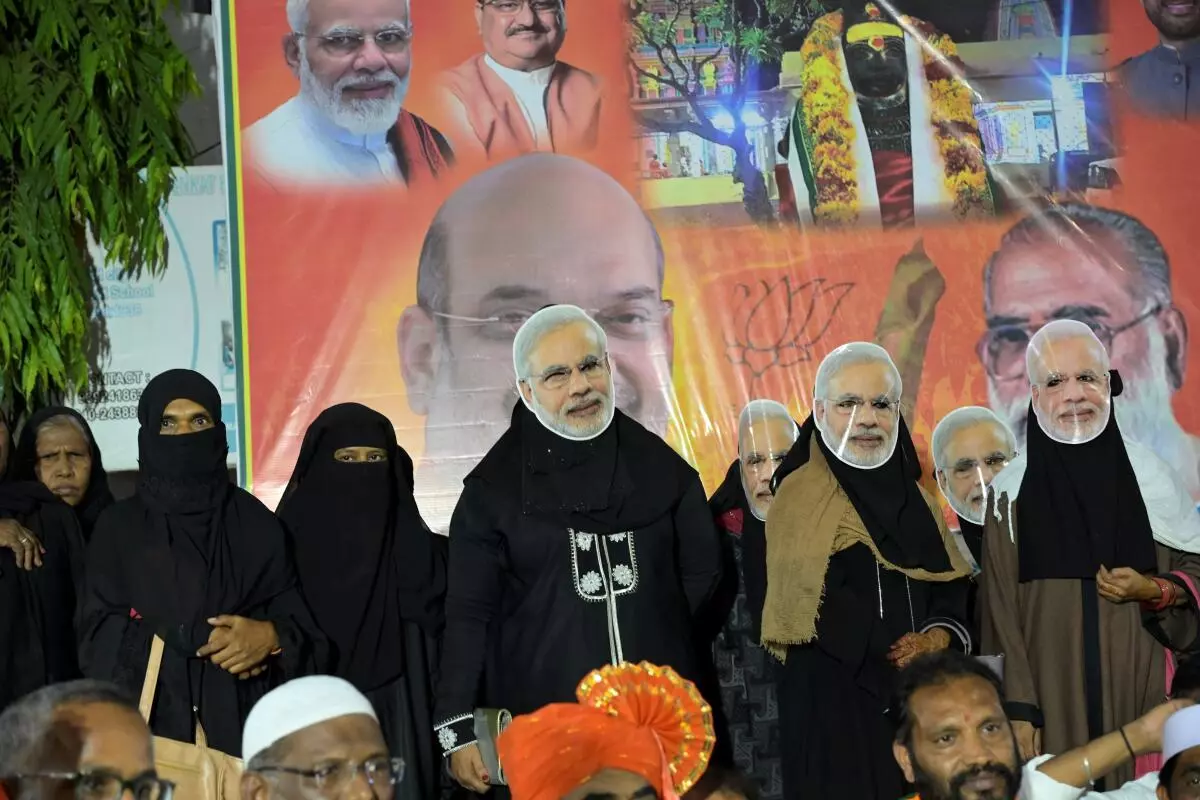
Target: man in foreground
[(82, 739), (953, 740), (580, 540), (318, 734), (637, 732)]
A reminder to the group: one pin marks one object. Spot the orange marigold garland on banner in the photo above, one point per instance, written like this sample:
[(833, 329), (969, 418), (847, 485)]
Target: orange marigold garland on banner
[(825, 108)]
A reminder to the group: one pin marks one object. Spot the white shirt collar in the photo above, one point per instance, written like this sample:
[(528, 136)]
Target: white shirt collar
[(515, 77), (326, 127)]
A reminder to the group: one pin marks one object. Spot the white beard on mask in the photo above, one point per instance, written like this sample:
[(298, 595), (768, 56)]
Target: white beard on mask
[(361, 116), (845, 452), (561, 427)]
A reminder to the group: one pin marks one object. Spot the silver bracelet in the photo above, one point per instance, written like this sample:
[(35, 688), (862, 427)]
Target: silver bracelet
[(1087, 768)]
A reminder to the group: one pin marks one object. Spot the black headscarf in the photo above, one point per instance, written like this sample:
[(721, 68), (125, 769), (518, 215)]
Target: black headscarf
[(365, 558), (187, 547), (1080, 506), (623, 480), (887, 499), (97, 496)]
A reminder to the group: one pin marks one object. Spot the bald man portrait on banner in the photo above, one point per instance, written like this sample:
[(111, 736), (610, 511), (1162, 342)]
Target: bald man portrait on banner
[(486, 265), (347, 123)]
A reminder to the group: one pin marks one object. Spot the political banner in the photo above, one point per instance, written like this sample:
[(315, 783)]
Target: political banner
[(180, 319), (731, 189)]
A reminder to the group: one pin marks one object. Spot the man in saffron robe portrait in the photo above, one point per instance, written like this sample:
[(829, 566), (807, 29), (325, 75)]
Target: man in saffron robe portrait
[(347, 124), (884, 133), (516, 96)]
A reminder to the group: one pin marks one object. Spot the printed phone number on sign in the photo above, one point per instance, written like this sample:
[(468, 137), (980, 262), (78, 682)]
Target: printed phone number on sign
[(107, 412)]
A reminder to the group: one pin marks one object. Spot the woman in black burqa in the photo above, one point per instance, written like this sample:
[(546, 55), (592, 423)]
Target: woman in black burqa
[(201, 564), (29, 464), (373, 574), (41, 564)]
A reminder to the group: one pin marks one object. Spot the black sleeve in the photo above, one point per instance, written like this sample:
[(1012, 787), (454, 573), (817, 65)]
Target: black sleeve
[(113, 645), (474, 591), (848, 626), (698, 548), (305, 648), (948, 610)]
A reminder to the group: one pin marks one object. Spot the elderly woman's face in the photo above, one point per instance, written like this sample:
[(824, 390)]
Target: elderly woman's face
[(183, 416), (64, 460)]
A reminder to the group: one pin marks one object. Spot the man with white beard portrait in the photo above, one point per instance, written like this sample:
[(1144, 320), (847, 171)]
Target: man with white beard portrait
[(1109, 271), (347, 124)]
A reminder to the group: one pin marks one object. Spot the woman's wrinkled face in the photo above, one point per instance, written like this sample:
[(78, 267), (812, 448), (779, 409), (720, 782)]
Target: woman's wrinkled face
[(64, 460), (183, 416)]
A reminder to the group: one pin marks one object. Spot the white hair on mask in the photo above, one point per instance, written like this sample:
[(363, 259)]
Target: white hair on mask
[(853, 353), (762, 409), (545, 321), (1060, 330), (961, 418)]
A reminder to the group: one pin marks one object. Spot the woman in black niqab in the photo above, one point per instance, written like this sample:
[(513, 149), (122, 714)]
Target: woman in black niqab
[(373, 574), (187, 548), (41, 563), (97, 496)]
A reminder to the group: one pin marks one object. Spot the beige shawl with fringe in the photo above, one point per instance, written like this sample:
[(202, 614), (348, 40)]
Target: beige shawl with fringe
[(811, 518)]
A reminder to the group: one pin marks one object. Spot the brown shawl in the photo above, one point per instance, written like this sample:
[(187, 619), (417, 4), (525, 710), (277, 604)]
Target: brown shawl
[(573, 103), (811, 519)]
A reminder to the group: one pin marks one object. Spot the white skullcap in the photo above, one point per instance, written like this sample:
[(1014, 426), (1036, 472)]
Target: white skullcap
[(297, 705), (961, 418), (853, 353), (549, 319), (1059, 330), (1182, 732)]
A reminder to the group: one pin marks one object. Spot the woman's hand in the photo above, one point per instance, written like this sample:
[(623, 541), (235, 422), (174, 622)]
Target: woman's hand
[(911, 645), (27, 550), (240, 645), (1125, 585)]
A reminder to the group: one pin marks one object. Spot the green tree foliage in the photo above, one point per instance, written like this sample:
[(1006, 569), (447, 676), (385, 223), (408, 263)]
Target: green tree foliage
[(90, 92), (751, 33)]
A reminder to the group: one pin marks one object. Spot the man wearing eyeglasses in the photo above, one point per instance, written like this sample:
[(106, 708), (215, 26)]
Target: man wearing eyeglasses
[(516, 96), (1109, 271), (82, 740), (347, 125), (534, 230), (319, 737)]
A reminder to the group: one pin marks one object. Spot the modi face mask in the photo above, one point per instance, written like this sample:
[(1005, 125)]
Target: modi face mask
[(970, 448), (857, 404), (766, 432), (1068, 371)]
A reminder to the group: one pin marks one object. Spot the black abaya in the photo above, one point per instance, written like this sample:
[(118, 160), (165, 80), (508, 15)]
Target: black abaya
[(377, 584), (37, 642), (187, 547)]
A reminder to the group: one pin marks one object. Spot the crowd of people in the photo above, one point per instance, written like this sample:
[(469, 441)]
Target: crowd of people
[(594, 626)]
